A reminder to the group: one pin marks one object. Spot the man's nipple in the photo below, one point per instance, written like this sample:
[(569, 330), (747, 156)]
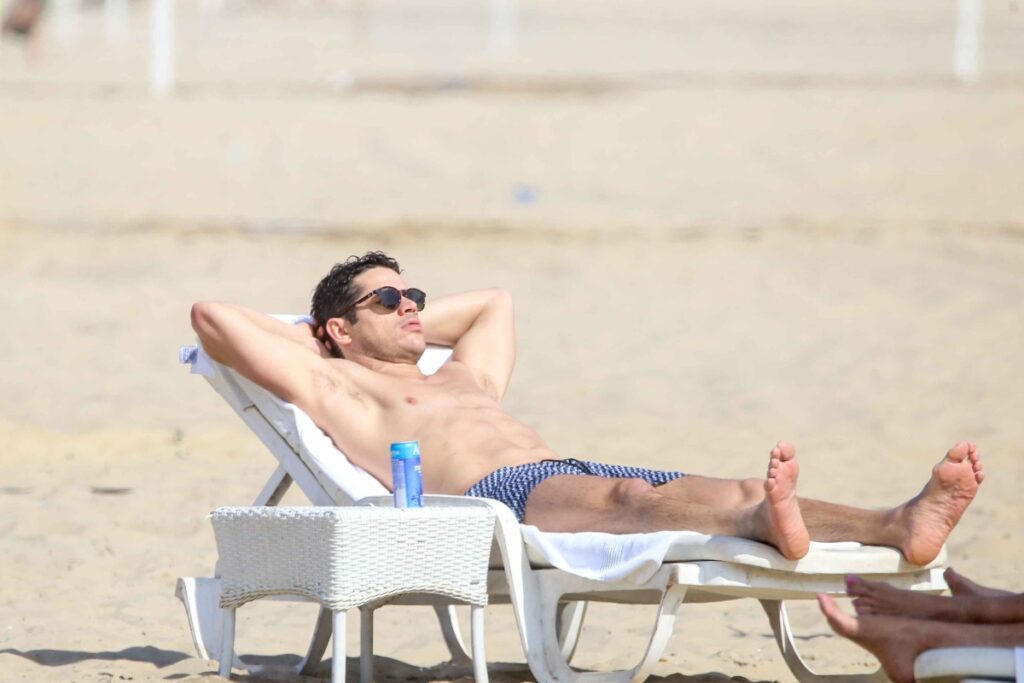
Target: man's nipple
[(411, 400)]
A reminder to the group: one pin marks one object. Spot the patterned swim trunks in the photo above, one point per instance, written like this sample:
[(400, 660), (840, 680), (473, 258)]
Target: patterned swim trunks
[(512, 485)]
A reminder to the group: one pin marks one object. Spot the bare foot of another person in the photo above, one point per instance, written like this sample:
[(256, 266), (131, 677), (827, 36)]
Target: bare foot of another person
[(895, 642), (930, 516), (960, 585), (786, 528), (878, 598)]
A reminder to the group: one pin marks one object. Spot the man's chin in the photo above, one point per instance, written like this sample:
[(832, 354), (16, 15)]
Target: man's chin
[(412, 351)]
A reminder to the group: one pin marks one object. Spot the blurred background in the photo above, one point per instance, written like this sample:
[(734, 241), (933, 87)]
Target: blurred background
[(572, 117), (724, 223)]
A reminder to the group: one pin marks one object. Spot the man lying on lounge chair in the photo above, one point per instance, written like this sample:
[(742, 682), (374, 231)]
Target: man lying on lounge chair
[(355, 374)]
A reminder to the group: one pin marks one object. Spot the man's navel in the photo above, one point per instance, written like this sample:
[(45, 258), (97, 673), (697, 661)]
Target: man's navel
[(411, 400)]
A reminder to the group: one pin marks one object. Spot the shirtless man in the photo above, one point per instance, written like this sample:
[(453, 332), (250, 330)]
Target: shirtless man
[(355, 374), (897, 625)]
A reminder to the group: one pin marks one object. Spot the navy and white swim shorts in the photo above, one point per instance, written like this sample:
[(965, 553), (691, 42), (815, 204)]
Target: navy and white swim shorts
[(512, 485)]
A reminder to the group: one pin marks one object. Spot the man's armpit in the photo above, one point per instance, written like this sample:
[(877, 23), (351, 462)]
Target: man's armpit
[(489, 387), (328, 382)]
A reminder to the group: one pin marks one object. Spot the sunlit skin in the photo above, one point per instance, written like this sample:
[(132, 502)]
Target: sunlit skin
[(969, 603), (897, 640), (376, 395)]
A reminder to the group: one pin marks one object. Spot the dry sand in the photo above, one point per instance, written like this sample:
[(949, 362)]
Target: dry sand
[(701, 266)]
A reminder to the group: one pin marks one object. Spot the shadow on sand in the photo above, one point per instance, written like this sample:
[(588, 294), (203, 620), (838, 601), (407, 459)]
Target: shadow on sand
[(146, 654), (385, 668), (388, 669)]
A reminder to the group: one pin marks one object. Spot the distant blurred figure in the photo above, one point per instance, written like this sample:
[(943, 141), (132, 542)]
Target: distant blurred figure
[(21, 17)]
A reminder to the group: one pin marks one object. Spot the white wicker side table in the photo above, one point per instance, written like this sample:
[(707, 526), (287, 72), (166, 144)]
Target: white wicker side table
[(345, 557)]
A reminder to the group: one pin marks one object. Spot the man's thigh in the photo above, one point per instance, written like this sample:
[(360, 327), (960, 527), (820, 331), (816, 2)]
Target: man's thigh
[(617, 505), (569, 502)]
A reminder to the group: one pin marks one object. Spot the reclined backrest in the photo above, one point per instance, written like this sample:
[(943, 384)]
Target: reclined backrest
[(306, 453)]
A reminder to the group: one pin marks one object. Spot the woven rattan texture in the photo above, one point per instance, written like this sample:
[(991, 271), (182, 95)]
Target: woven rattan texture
[(344, 557)]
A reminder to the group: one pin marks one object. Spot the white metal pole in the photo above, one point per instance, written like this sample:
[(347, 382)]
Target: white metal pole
[(161, 48), (967, 45), (115, 19), (503, 24), (210, 8), (66, 15)]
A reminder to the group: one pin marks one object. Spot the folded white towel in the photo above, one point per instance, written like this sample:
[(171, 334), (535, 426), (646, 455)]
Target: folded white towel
[(606, 557)]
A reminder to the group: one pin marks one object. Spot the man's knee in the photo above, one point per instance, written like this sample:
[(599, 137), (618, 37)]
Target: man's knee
[(628, 494)]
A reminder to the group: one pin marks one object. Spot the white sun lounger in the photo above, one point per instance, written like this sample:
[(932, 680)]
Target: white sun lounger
[(548, 577), (970, 665)]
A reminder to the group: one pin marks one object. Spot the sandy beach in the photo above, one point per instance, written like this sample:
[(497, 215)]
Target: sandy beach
[(818, 238)]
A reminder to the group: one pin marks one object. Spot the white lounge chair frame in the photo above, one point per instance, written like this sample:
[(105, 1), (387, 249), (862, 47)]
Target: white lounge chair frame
[(970, 665), (549, 603)]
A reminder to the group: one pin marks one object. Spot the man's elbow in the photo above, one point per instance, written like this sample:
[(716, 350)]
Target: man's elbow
[(501, 297), (201, 315), (206, 318)]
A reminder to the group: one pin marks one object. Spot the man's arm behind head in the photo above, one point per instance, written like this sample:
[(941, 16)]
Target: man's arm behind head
[(480, 325), (279, 357)]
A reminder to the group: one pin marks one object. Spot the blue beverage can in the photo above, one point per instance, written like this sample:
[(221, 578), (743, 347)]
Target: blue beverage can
[(407, 474)]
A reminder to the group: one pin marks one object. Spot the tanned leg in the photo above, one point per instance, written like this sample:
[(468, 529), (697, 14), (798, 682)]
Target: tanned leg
[(897, 641), (877, 598), (881, 599), (918, 527), (583, 503), (961, 585)]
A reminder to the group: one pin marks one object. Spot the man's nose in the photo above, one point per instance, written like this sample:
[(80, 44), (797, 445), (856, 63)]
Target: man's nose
[(407, 305)]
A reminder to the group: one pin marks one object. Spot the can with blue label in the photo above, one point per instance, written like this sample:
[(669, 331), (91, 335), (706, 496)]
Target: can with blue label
[(407, 474)]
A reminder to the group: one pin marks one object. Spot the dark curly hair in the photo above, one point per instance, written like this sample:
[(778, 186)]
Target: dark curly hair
[(336, 291)]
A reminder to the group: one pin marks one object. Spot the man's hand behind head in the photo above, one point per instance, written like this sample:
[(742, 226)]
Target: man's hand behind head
[(318, 340)]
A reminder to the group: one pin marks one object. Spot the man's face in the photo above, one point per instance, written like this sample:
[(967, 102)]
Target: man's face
[(394, 336)]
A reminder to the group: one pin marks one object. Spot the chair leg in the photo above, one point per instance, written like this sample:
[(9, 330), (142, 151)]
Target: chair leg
[(552, 667), (449, 622), (227, 643), (476, 617), (570, 625), (317, 645), (201, 598), (338, 648), (779, 620), (365, 645)]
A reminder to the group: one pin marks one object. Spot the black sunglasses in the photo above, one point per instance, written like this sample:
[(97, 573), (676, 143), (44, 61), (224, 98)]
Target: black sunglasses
[(391, 297)]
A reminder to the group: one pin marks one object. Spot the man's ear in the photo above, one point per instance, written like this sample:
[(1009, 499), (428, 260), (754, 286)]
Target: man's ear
[(337, 329)]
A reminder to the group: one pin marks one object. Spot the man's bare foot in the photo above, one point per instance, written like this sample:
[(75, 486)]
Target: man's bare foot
[(960, 585), (785, 525), (895, 642), (878, 598), (929, 517)]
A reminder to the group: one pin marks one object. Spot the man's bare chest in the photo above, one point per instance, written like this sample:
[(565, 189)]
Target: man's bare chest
[(437, 395)]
